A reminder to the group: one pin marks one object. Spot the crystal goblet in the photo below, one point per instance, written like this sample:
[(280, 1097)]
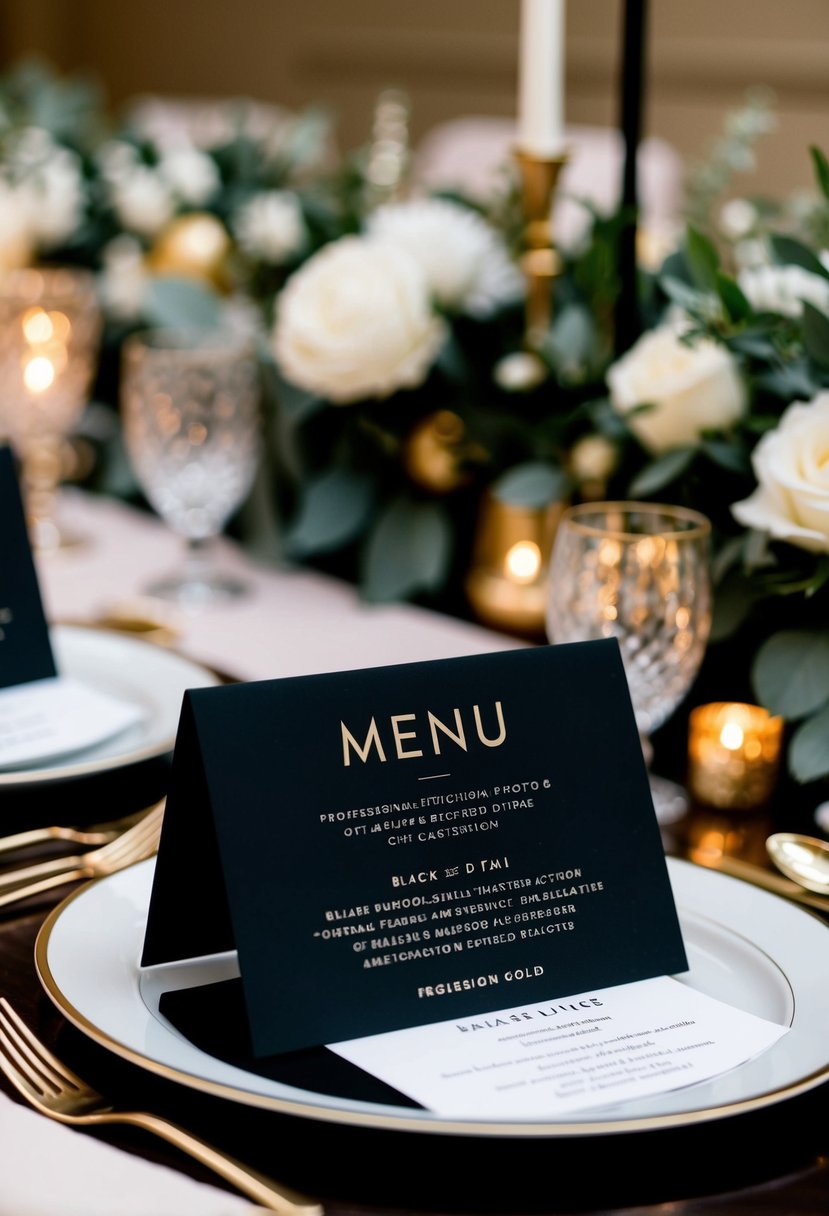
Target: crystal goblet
[(190, 404), (50, 328), (638, 572)]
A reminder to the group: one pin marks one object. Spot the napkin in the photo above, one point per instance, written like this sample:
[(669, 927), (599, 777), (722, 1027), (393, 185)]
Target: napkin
[(48, 1169), (58, 716)]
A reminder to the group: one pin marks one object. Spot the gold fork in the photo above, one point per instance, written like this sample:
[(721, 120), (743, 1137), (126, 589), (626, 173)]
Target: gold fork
[(51, 1088), (137, 843), (97, 834)]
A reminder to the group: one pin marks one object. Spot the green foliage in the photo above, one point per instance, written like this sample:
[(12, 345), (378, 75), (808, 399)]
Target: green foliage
[(408, 551), (791, 672), (334, 509), (533, 485)]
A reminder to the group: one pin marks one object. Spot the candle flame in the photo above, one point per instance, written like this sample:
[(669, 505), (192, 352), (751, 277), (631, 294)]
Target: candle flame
[(732, 736), (37, 326), (39, 374), (523, 561)]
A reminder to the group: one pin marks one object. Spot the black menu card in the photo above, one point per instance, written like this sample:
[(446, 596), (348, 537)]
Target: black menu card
[(25, 648), (406, 844)]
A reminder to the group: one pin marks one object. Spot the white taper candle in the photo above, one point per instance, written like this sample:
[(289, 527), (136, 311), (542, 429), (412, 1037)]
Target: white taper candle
[(541, 77)]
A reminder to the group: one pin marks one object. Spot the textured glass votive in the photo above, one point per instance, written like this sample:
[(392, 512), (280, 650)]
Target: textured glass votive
[(506, 584), (733, 754)]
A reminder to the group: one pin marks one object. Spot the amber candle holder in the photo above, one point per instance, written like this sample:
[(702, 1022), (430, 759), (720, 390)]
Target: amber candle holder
[(507, 582), (540, 261), (733, 755), (50, 327)]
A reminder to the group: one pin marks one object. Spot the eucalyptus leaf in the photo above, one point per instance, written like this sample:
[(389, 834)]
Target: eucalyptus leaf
[(791, 672), (728, 556), (727, 455), (451, 359), (733, 299), (788, 251), (335, 507), (675, 267), (821, 167), (808, 757), (732, 604), (661, 472), (408, 551), (754, 343), (757, 551), (680, 293), (533, 484), (816, 334), (572, 338), (703, 259), (789, 382), (174, 302)]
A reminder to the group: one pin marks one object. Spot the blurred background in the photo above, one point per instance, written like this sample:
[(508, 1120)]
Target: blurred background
[(453, 60)]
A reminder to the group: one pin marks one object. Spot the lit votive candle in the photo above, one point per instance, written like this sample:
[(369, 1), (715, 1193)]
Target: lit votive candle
[(733, 754), (506, 585)]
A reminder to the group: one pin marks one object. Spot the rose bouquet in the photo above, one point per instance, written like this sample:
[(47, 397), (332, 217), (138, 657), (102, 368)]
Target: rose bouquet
[(725, 406)]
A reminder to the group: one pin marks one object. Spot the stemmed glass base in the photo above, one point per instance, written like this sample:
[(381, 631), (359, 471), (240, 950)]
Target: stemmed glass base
[(198, 583), (41, 474), (670, 801)]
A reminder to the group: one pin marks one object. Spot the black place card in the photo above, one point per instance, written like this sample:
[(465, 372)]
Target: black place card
[(25, 648), (407, 844)]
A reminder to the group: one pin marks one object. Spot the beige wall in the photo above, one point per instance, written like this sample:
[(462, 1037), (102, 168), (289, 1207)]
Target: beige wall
[(453, 57)]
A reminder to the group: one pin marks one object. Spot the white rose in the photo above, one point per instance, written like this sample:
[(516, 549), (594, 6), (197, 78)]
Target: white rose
[(466, 263), (124, 278), (783, 289), (691, 388), (791, 464), (143, 201), (57, 197), (191, 174), (271, 226), (356, 321)]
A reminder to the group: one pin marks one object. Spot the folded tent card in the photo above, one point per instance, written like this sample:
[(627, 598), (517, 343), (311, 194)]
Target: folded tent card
[(44, 714), (419, 842)]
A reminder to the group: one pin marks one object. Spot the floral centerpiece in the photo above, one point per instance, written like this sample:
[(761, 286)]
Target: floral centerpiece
[(726, 401), (401, 388)]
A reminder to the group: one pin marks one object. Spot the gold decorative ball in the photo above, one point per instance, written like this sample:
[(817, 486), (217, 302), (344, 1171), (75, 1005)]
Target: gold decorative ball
[(593, 460), (196, 246), (435, 450)]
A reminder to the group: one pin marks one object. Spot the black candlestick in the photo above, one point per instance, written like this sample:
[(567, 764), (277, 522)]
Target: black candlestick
[(628, 321)]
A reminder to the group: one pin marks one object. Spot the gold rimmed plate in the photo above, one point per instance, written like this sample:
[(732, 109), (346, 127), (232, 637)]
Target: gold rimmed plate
[(135, 670), (745, 947)]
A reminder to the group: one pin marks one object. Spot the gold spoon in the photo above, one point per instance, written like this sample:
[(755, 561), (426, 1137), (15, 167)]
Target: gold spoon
[(803, 859)]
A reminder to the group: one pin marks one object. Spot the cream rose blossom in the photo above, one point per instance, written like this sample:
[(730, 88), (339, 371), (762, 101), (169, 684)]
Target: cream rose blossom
[(791, 464), (356, 321), (465, 261), (691, 388)]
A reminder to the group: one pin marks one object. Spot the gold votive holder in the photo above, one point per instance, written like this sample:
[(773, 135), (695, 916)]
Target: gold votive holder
[(507, 582), (733, 755)]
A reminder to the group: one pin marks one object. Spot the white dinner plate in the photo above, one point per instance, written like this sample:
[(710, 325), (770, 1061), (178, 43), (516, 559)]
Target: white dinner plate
[(745, 946), (133, 670)]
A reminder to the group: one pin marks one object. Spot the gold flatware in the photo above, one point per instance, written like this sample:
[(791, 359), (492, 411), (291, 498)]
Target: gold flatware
[(50, 1087), (135, 844), (100, 833), (760, 877), (803, 859)]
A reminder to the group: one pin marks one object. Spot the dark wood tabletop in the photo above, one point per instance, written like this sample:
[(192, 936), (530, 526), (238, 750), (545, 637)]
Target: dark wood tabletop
[(771, 1160)]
